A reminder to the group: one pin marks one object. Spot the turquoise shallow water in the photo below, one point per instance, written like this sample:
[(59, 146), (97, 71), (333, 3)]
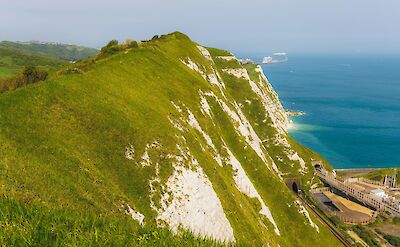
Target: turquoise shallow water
[(352, 104)]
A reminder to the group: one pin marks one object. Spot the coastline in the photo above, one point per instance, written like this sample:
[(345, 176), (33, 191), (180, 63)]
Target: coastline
[(295, 127), (351, 128), (292, 113)]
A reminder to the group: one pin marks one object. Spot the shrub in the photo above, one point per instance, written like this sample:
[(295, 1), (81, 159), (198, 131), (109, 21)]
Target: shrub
[(132, 44), (111, 48), (395, 241), (365, 235), (29, 75), (112, 43), (32, 74), (335, 220)]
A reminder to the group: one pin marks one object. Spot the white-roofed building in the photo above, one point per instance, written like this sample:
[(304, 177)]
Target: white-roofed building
[(378, 192)]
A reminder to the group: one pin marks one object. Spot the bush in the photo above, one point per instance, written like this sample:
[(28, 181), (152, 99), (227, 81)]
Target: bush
[(29, 75), (395, 241), (335, 220), (112, 43), (132, 44), (111, 48), (32, 74), (365, 235)]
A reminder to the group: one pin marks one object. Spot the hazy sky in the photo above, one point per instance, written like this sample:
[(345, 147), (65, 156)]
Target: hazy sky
[(241, 26)]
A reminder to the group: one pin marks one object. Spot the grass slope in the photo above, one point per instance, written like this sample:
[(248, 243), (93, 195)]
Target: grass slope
[(37, 226), (64, 140), (59, 51), (12, 61), (379, 174)]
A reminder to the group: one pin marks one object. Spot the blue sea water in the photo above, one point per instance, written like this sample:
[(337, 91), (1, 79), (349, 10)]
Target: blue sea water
[(352, 105)]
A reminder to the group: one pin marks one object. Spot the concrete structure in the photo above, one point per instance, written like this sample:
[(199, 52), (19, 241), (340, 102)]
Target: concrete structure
[(378, 192), (390, 181), (346, 210), (373, 201)]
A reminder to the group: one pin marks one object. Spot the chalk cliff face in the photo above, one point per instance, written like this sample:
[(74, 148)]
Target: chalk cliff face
[(181, 136)]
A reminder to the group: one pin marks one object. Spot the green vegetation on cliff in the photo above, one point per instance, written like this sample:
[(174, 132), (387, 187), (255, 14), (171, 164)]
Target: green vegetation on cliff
[(123, 129), (379, 174)]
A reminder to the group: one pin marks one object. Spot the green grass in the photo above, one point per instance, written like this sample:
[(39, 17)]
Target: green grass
[(12, 61), (58, 51), (379, 174), (30, 225), (396, 220), (8, 72), (63, 146)]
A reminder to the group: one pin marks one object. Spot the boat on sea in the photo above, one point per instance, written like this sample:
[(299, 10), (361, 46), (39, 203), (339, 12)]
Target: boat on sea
[(270, 59)]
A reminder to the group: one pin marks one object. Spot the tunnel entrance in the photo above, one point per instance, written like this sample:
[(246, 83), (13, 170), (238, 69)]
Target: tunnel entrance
[(295, 188), (317, 166), (294, 184)]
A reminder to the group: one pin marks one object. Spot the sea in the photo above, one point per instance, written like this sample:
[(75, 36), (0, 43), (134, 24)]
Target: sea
[(352, 105)]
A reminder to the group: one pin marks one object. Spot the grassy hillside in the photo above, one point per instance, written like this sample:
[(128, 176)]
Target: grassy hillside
[(123, 131), (59, 51), (379, 174), (33, 225), (12, 61)]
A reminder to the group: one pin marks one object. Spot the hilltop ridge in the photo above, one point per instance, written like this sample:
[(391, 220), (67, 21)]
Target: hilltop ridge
[(167, 134), (65, 52)]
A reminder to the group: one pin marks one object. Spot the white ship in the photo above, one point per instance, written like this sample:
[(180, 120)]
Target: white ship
[(270, 59)]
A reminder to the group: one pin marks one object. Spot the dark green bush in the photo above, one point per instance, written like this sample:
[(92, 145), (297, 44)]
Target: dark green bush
[(111, 48), (335, 220), (29, 75), (32, 74), (395, 241), (132, 44)]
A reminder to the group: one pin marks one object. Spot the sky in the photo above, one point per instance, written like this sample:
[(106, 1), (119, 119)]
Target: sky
[(247, 26)]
